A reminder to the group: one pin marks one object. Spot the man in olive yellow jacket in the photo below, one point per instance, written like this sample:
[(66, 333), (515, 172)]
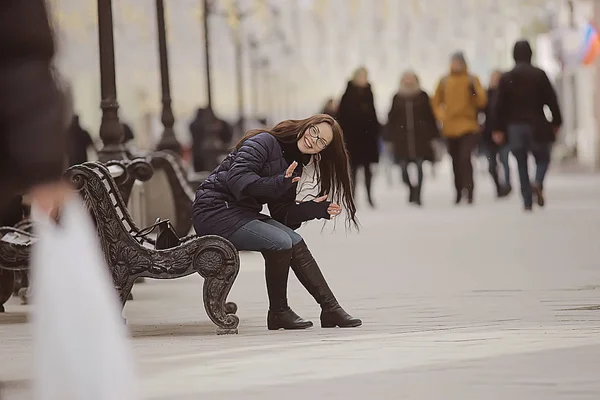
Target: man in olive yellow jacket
[(457, 101)]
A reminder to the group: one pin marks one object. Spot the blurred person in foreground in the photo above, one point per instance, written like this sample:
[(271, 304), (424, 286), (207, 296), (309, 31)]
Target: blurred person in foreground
[(457, 101), (357, 117), (494, 151), (411, 128), (265, 168), (520, 119), (34, 113)]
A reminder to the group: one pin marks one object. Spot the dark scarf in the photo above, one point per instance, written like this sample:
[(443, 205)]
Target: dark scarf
[(292, 153)]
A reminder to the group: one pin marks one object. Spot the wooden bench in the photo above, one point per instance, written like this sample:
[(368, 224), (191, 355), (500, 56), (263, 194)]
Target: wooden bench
[(130, 257)]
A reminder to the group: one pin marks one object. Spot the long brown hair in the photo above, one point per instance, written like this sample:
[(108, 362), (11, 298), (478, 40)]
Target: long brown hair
[(333, 166)]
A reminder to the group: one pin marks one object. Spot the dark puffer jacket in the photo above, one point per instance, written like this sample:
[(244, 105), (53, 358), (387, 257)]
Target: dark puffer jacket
[(248, 178)]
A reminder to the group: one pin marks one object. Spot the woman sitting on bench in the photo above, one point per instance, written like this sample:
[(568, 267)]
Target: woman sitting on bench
[(264, 168)]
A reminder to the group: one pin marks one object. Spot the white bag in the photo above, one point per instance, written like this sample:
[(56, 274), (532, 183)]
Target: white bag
[(81, 345)]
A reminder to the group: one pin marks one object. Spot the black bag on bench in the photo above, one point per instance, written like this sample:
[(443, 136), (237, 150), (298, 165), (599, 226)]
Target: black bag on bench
[(166, 238)]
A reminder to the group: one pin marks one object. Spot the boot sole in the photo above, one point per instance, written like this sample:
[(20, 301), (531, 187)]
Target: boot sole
[(329, 325), (290, 328)]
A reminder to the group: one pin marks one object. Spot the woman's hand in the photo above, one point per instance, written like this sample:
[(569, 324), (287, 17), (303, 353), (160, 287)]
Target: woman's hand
[(333, 210), (50, 197), (290, 172)]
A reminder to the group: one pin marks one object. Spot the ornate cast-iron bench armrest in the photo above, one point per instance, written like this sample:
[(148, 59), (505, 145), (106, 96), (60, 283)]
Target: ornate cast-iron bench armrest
[(129, 258)]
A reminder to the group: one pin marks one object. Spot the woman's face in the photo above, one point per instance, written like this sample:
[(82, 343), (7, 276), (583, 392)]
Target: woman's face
[(362, 78), (316, 138), (457, 65), (409, 80)]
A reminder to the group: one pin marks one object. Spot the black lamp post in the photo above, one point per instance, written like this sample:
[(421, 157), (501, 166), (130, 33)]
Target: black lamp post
[(254, 66), (239, 67), (168, 141), (111, 131), (207, 9)]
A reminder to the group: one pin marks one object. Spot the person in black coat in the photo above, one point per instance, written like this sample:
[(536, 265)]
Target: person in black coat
[(492, 150), (79, 142), (358, 119), (33, 109), (411, 128), (264, 168), (522, 94), (210, 136)]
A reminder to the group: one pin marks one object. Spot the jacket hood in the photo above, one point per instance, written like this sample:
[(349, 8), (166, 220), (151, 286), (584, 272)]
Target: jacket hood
[(522, 52), (352, 86), (408, 88), (459, 58)]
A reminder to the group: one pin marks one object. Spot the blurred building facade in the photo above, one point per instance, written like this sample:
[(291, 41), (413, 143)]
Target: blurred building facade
[(296, 52), (578, 84)]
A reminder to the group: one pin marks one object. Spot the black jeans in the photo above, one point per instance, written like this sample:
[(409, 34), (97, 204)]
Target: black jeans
[(264, 235), (406, 178), (368, 177), (461, 149)]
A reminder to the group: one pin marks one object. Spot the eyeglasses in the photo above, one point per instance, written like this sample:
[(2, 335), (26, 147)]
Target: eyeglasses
[(313, 131)]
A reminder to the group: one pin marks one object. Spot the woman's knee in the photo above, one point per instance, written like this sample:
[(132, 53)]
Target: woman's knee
[(259, 236), (292, 235), (295, 238), (281, 242)]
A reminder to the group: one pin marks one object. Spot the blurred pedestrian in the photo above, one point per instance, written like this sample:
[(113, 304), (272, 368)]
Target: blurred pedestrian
[(330, 108), (128, 135), (80, 142), (492, 150), (520, 119), (210, 138), (411, 128), (34, 113), (457, 100), (265, 168), (358, 119)]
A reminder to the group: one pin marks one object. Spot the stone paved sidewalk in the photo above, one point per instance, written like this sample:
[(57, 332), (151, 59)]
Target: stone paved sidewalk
[(458, 303)]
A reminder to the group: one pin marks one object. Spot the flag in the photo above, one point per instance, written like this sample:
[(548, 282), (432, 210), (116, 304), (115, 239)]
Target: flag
[(591, 44)]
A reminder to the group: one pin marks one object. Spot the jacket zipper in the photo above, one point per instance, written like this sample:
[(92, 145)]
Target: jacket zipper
[(410, 125)]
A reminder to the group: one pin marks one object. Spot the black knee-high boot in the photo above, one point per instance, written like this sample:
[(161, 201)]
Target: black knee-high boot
[(307, 270), (277, 270)]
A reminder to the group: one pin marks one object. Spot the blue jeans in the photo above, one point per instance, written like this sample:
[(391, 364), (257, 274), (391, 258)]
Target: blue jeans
[(406, 178), (264, 235), (521, 142)]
